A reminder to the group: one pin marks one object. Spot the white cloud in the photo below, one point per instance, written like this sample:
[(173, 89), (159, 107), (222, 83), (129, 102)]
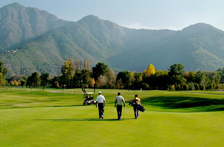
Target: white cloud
[(139, 26)]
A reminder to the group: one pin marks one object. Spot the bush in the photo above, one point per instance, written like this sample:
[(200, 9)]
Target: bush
[(145, 86), (218, 86), (202, 87), (172, 88), (209, 87), (196, 86), (186, 87), (178, 87), (191, 86)]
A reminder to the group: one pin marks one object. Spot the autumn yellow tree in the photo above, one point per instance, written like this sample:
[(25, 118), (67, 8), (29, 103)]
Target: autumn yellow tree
[(2, 81), (150, 70), (16, 83), (12, 83), (92, 83), (67, 71)]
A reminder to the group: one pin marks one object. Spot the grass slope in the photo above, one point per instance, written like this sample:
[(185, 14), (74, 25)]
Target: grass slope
[(71, 124)]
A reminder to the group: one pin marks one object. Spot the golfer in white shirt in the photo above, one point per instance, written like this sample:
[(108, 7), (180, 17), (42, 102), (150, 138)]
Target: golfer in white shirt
[(100, 100)]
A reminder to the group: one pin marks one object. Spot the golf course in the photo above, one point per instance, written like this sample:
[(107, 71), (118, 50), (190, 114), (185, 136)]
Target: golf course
[(57, 118)]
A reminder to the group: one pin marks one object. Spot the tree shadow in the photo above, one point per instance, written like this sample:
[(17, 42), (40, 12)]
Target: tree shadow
[(177, 102), (82, 119)]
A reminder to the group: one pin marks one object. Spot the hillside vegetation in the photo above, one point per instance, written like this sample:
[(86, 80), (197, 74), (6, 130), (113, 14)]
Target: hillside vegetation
[(197, 47)]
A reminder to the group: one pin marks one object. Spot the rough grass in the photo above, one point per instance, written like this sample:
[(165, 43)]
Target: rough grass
[(46, 118)]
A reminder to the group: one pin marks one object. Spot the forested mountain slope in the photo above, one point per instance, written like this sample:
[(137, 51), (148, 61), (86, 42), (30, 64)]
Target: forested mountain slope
[(19, 25), (197, 47)]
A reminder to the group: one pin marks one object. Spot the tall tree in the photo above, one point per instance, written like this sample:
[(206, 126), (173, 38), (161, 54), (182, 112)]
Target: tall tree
[(200, 77), (35, 79), (23, 82), (85, 79), (176, 74), (130, 79), (80, 64), (29, 82), (44, 79), (150, 70), (124, 76), (88, 66), (77, 65), (54, 82), (2, 80), (92, 82), (190, 76), (3, 72), (99, 69), (77, 79), (111, 78), (176, 69), (67, 72), (102, 81), (138, 77), (85, 64)]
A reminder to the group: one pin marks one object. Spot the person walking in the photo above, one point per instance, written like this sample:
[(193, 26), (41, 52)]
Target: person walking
[(100, 100), (137, 102), (118, 103)]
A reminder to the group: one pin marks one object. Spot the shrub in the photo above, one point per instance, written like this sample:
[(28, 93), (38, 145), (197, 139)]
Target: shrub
[(191, 86), (145, 86), (202, 87), (196, 86), (210, 87), (186, 87), (218, 86), (172, 88)]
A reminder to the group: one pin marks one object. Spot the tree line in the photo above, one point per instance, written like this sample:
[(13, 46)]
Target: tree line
[(79, 75)]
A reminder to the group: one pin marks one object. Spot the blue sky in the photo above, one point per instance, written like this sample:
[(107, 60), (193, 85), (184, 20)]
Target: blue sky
[(150, 14)]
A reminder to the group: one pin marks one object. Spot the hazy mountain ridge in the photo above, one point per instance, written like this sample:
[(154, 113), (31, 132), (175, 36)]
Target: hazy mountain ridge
[(197, 47), (19, 25)]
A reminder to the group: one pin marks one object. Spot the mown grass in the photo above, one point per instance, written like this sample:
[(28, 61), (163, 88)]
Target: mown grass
[(56, 118), (157, 100)]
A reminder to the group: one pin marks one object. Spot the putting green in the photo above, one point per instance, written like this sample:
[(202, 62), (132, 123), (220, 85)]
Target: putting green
[(80, 126)]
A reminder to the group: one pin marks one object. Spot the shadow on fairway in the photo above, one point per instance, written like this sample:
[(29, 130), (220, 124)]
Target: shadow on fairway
[(178, 102), (68, 105), (82, 119)]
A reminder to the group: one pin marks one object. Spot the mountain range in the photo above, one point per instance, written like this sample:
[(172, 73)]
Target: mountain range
[(35, 40)]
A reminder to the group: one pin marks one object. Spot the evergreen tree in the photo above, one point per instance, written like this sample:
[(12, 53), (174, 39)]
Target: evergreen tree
[(44, 79), (99, 69)]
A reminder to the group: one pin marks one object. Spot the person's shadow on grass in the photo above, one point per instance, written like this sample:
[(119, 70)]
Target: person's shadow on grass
[(83, 119)]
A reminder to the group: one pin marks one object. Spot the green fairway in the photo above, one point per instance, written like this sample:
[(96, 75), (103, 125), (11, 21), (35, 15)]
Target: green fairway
[(53, 118)]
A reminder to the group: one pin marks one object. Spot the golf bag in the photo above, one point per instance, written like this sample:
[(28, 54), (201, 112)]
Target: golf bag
[(139, 107)]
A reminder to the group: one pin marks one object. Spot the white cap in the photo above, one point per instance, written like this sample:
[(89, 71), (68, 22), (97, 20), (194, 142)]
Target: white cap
[(100, 92)]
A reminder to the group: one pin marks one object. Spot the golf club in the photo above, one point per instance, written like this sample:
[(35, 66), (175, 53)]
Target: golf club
[(124, 112)]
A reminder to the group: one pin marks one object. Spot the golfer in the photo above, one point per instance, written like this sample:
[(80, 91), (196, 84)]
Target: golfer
[(137, 102), (118, 103), (100, 100)]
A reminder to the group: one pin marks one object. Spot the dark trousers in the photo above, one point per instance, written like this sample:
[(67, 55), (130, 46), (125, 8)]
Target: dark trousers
[(136, 112), (101, 109), (119, 111)]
